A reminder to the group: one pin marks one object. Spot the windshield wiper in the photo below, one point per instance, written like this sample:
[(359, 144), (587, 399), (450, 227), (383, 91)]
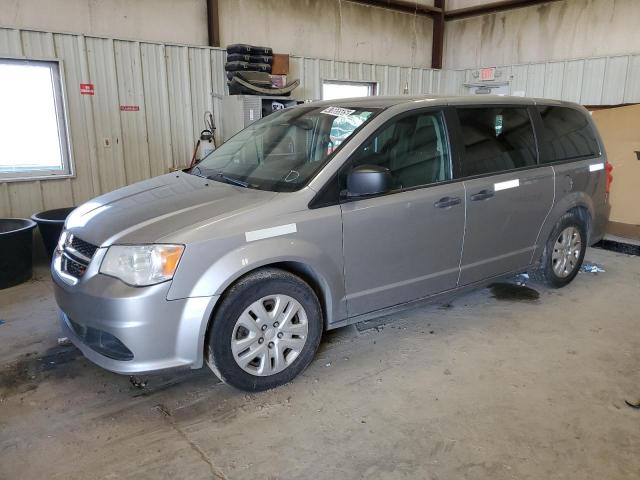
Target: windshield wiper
[(196, 174), (231, 180)]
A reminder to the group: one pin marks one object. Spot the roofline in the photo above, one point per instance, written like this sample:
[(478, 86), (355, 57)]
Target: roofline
[(384, 102)]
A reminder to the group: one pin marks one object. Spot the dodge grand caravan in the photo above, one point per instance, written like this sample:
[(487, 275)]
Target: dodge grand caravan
[(322, 215)]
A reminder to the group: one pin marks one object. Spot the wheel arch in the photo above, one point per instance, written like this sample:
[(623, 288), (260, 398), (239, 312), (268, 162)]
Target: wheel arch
[(577, 203), (302, 270), (583, 213)]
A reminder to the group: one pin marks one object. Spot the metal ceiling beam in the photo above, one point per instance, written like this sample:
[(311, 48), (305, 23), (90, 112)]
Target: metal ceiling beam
[(493, 7), (437, 43), (404, 6), (213, 23)]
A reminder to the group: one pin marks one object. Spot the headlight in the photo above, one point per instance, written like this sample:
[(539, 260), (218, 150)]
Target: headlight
[(61, 240), (142, 265)]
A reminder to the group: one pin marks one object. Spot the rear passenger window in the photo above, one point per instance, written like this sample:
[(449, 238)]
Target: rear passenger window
[(566, 135), (496, 139)]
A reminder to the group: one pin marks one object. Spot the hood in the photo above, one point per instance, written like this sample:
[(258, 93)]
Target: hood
[(149, 210)]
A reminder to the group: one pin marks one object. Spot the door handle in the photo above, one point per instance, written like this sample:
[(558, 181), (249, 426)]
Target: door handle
[(446, 202), (482, 195)]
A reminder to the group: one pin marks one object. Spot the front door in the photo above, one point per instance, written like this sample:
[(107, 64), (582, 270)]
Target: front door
[(508, 195), (405, 244)]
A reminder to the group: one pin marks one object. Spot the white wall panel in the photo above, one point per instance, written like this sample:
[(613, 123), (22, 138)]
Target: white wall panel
[(632, 85), (519, 76), (554, 73), (106, 113), (86, 184), (133, 122), (614, 80), (201, 88), (572, 81), (180, 106), (156, 96), (593, 83)]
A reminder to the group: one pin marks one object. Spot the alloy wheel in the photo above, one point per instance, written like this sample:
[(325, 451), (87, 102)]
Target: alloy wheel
[(566, 252)]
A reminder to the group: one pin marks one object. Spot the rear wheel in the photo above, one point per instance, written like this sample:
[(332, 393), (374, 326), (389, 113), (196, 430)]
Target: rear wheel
[(266, 331), (564, 252)]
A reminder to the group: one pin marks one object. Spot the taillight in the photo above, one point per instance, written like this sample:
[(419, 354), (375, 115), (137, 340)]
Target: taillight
[(608, 168)]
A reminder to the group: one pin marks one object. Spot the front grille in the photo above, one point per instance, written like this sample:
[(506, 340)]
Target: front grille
[(76, 256), (73, 268), (85, 248)]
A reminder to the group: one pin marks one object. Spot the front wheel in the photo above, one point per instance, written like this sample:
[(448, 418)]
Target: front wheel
[(564, 252), (266, 331)]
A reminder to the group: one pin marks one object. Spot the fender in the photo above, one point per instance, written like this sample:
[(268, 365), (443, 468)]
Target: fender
[(562, 206), (228, 268)]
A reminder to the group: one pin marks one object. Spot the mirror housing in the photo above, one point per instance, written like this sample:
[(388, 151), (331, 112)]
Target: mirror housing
[(368, 180)]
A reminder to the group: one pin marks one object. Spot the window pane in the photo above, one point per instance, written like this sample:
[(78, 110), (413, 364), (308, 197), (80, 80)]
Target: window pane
[(567, 135), (336, 90), (344, 126), (414, 148), (496, 139), (29, 135), (282, 151)]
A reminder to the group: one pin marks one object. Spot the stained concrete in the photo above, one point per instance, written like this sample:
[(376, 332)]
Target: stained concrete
[(487, 386)]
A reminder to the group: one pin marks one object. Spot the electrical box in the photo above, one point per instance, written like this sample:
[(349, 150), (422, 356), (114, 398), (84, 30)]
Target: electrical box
[(240, 111)]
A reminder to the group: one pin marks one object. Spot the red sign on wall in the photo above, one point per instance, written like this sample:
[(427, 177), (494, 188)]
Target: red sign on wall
[(487, 74), (129, 108), (87, 89)]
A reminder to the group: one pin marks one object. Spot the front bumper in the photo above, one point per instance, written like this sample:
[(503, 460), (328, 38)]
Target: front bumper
[(159, 334)]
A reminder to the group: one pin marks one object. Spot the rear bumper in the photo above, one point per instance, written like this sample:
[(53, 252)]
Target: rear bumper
[(132, 330), (599, 228)]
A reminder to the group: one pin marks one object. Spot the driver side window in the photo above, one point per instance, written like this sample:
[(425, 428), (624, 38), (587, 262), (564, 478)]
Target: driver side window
[(413, 147)]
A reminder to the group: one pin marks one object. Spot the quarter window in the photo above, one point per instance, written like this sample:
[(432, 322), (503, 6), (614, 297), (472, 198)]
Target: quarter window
[(33, 134), (566, 135), (414, 148), (496, 139)]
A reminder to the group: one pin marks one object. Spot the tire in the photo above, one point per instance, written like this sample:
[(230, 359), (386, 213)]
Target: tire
[(266, 51), (559, 277), (240, 48), (236, 66), (244, 318), (259, 67), (238, 57), (268, 59)]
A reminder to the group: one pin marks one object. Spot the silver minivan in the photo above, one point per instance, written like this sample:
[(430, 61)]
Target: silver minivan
[(323, 215)]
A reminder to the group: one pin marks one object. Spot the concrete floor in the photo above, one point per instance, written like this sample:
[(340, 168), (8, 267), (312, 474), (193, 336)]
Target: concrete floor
[(481, 388)]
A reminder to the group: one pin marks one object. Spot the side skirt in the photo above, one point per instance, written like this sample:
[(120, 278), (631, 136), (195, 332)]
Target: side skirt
[(425, 301)]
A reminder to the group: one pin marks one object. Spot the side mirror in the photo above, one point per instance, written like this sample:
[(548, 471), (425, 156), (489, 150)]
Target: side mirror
[(368, 180)]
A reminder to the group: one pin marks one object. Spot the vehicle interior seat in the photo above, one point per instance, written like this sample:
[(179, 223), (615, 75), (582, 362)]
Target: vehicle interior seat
[(421, 163)]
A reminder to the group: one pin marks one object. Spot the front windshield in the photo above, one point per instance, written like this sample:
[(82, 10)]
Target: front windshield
[(283, 151)]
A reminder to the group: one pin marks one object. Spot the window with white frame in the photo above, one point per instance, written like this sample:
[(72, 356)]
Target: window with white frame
[(334, 89), (33, 129)]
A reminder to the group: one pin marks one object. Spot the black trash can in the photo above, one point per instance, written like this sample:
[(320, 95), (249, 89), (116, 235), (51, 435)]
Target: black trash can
[(16, 245), (51, 224)]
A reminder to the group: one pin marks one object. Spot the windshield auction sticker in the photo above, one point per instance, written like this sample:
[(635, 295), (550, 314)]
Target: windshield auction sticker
[(338, 111)]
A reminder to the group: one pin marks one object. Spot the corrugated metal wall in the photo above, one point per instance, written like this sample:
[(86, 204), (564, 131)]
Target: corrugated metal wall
[(173, 85), (589, 81)]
